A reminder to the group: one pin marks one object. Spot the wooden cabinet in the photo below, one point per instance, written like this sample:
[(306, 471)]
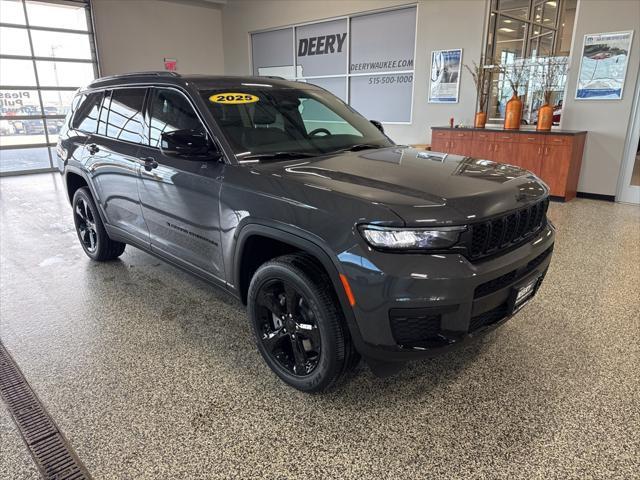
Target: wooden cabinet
[(553, 156), (555, 168), (440, 141), (529, 157)]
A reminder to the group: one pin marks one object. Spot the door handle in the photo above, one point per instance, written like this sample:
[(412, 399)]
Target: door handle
[(93, 149), (149, 163)]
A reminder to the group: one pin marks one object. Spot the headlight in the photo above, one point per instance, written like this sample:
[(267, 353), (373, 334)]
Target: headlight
[(411, 238)]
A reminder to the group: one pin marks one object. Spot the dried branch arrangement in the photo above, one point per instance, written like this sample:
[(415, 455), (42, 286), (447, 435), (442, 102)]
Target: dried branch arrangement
[(481, 75), (549, 73), (516, 73)]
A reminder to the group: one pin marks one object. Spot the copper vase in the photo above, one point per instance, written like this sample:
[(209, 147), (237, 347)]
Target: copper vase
[(513, 114), (545, 117), (481, 120)]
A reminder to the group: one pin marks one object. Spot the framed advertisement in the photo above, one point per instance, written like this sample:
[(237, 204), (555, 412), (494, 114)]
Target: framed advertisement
[(603, 65), (444, 82)]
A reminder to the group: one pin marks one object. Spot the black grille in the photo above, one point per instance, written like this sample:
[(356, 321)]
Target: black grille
[(414, 329), (508, 278), (492, 236), (489, 317)]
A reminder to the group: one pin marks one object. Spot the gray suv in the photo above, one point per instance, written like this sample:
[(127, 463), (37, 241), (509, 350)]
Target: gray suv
[(342, 244)]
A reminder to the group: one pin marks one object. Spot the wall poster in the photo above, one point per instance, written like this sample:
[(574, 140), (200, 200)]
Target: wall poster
[(603, 66), (444, 83)]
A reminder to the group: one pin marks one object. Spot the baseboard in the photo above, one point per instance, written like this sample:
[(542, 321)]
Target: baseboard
[(596, 196)]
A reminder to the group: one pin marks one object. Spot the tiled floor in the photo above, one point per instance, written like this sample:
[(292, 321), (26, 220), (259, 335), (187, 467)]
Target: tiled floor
[(151, 373)]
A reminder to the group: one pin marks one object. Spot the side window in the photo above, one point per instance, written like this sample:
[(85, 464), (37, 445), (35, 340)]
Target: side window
[(124, 119), (86, 117), (315, 115), (170, 111)]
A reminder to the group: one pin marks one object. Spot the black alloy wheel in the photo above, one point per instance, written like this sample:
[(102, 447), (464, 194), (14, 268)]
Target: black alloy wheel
[(288, 327), (298, 323), (86, 225), (91, 232)]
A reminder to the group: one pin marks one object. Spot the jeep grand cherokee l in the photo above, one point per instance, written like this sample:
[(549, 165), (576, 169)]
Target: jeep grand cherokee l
[(342, 244)]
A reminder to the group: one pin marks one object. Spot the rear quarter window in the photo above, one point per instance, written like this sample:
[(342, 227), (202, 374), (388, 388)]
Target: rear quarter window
[(85, 118)]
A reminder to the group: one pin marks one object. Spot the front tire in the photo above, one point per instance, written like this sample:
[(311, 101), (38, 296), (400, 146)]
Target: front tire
[(93, 237), (298, 325)]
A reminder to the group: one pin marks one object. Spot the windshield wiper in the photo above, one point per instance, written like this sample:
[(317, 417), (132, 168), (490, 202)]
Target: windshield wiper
[(357, 147), (277, 156)]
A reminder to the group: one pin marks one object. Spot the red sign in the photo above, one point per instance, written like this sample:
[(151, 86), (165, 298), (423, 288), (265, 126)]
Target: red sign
[(170, 64)]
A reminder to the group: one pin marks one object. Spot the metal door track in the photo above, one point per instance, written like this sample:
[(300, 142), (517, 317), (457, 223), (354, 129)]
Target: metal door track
[(50, 450)]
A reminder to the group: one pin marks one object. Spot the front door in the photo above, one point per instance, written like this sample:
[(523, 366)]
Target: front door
[(180, 196)]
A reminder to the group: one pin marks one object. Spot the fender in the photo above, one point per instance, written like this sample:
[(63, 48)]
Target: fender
[(307, 243)]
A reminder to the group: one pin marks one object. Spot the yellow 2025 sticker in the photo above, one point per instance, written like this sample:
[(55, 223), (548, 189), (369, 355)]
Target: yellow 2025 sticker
[(233, 98)]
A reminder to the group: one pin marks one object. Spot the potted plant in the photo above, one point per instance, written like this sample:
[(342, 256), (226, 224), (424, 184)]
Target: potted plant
[(551, 69), (480, 74), (516, 73)]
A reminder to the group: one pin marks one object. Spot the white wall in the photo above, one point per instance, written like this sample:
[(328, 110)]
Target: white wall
[(605, 120), (441, 25), (136, 35)]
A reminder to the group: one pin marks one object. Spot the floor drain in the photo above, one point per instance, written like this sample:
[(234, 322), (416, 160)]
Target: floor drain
[(49, 449)]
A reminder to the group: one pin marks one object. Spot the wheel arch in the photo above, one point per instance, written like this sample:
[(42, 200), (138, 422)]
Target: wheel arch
[(244, 267)]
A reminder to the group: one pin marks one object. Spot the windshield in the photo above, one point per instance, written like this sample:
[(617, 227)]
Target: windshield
[(281, 123)]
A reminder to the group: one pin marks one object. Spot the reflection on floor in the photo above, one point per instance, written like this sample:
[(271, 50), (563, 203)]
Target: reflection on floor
[(151, 373)]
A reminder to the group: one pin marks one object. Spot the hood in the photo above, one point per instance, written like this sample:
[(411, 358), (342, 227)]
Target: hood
[(421, 187)]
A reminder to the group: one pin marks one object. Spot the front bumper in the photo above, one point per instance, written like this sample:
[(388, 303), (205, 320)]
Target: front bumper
[(419, 305)]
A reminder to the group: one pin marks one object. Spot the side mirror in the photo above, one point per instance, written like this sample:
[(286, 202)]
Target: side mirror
[(189, 144), (378, 125)]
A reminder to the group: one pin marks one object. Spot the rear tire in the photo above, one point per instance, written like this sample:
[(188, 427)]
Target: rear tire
[(93, 237), (298, 324)]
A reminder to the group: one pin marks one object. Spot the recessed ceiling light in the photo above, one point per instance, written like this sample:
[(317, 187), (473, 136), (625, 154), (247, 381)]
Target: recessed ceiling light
[(505, 29), (551, 4), (507, 21)]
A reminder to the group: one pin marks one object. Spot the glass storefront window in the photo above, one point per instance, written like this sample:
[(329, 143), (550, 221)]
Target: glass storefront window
[(57, 102), (57, 15), (14, 41), (16, 72), (535, 30), (23, 132), (19, 102), (11, 11), (64, 74), (42, 64), (61, 44)]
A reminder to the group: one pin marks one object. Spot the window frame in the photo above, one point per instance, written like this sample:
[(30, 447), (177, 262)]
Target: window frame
[(151, 89), (145, 99), (42, 116), (492, 26)]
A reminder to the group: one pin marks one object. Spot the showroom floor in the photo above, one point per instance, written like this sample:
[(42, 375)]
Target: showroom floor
[(151, 373)]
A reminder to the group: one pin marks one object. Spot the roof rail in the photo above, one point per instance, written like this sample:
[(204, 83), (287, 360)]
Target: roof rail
[(137, 74)]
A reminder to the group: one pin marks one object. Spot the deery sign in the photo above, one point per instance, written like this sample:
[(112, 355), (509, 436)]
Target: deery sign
[(321, 45)]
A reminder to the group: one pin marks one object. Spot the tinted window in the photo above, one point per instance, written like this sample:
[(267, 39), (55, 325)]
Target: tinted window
[(124, 118), (171, 111), (310, 121), (86, 118)]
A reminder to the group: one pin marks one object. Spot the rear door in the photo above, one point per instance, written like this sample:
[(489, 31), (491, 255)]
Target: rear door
[(180, 196), (112, 159)]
